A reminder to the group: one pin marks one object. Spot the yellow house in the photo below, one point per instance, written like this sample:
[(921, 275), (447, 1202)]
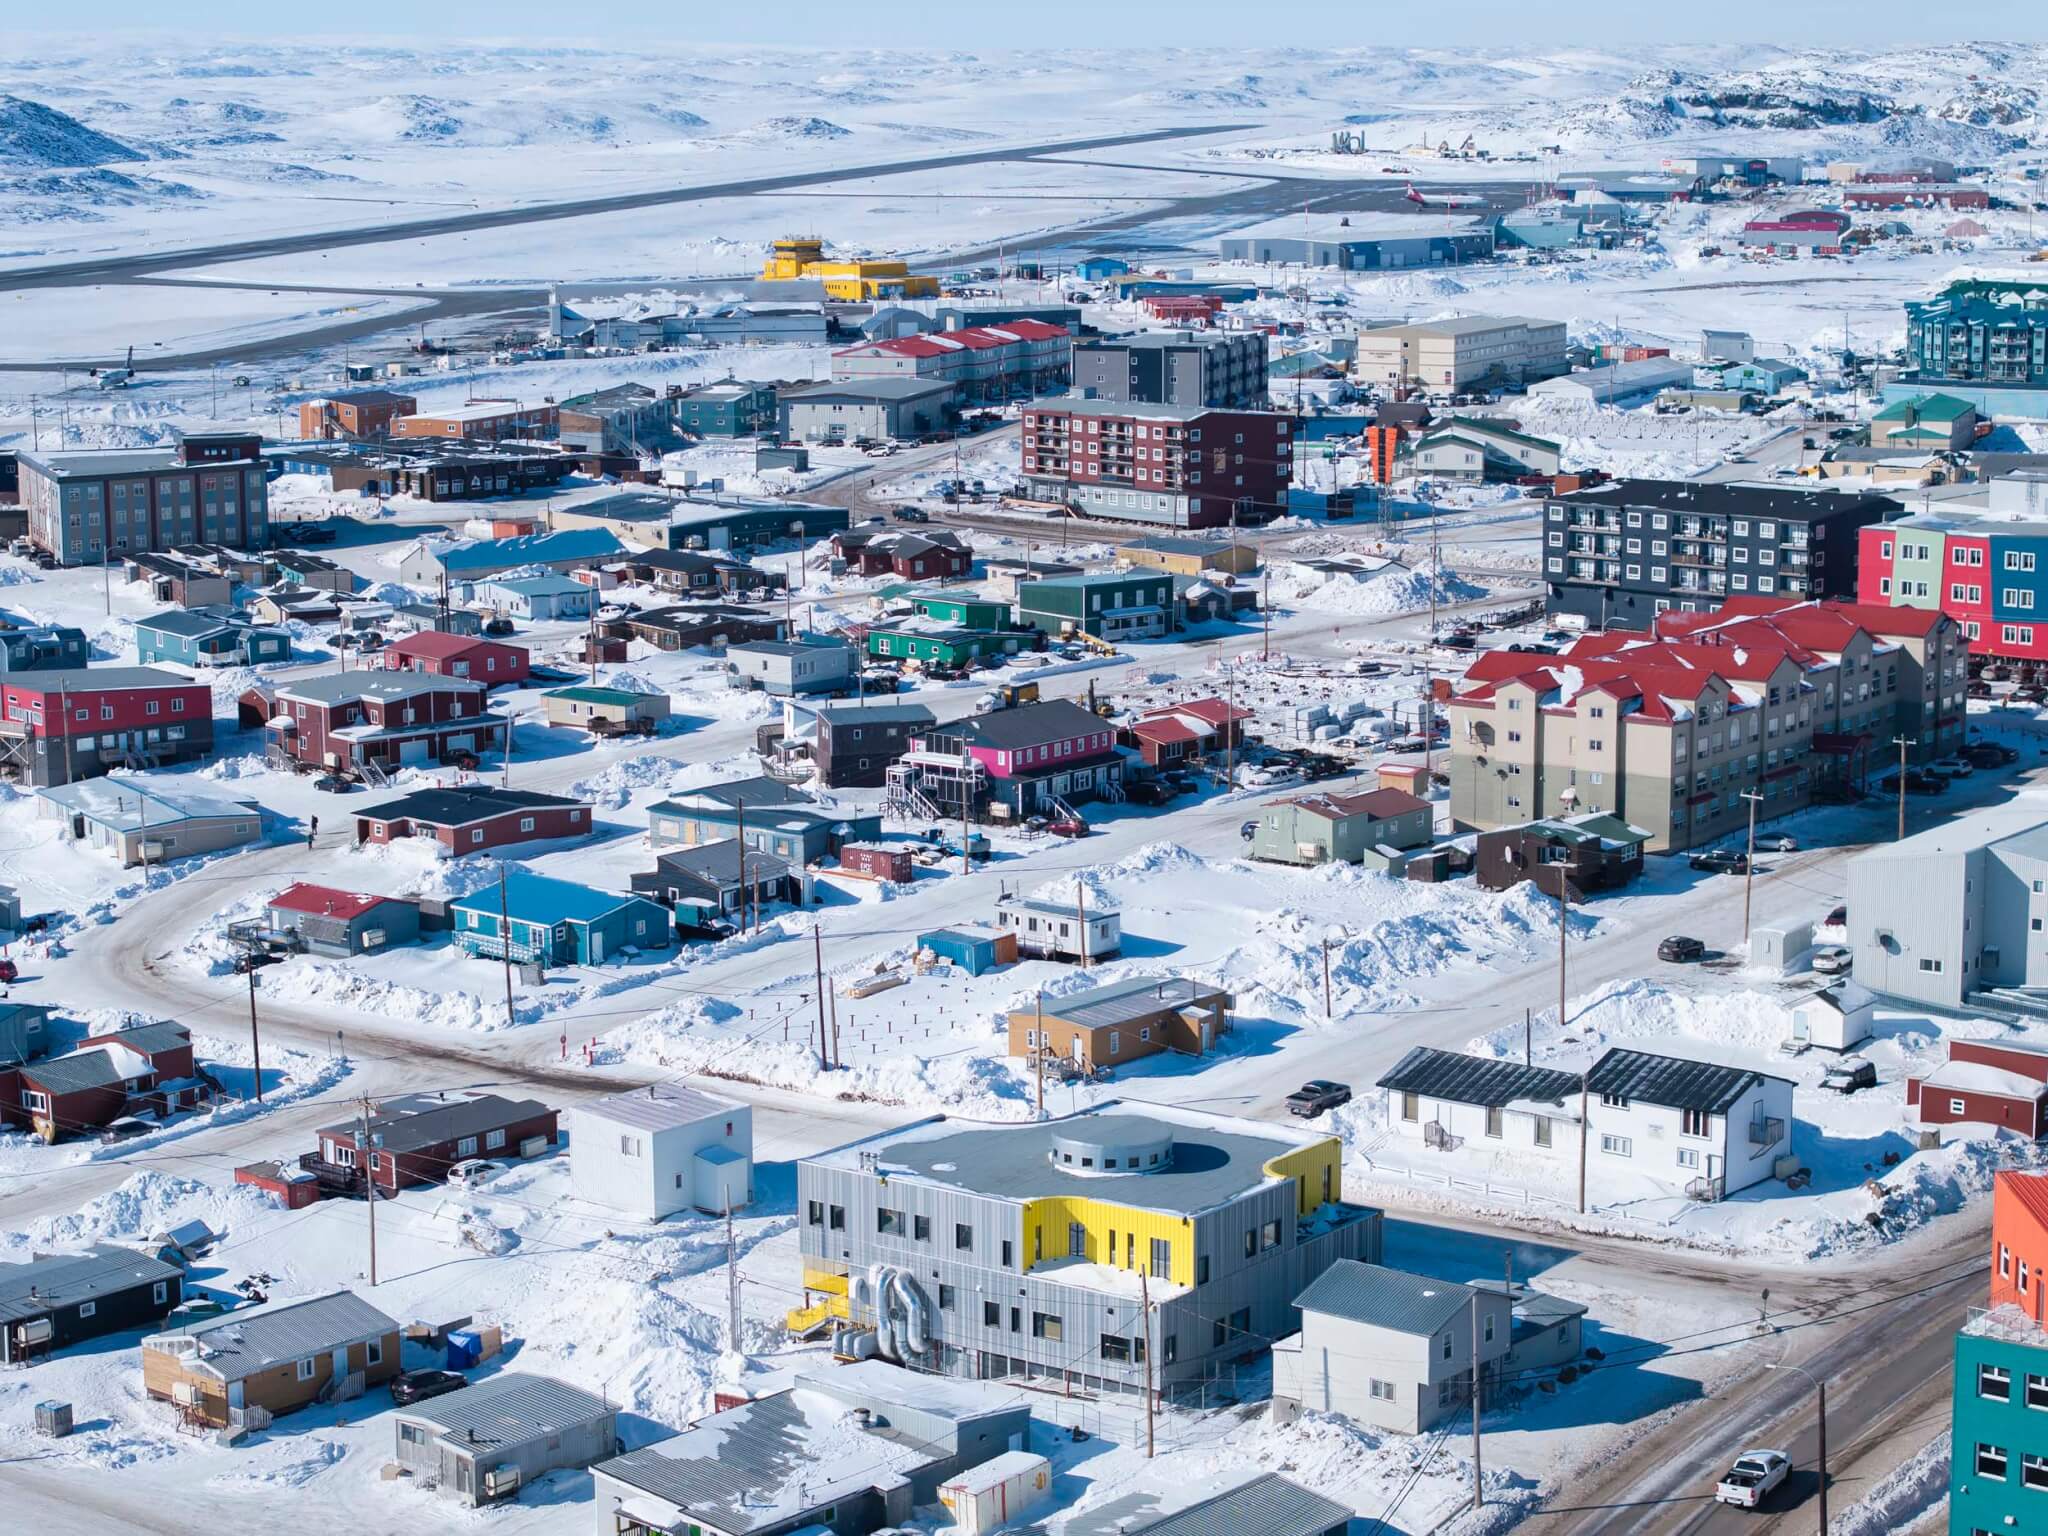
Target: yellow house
[(803, 258)]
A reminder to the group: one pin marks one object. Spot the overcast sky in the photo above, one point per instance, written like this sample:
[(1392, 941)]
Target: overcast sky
[(1082, 23)]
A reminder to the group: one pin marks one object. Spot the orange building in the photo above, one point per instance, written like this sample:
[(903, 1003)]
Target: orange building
[(359, 413), (2019, 1242)]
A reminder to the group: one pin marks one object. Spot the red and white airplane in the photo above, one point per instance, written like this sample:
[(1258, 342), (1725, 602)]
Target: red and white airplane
[(1442, 199)]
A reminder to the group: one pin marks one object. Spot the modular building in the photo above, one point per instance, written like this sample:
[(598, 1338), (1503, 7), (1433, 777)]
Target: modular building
[(1362, 241), (484, 1443), (665, 1148)]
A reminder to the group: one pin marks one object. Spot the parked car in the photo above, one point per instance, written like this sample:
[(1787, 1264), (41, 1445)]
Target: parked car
[(1917, 783), (1067, 826), (1750, 1481), (1248, 830), (1952, 767), (1848, 1075), (1721, 861), (1833, 959), (333, 784), (911, 515), (1991, 754), (1151, 791), (1681, 948), (9, 972), (409, 1387), (1779, 843), (255, 960), (1312, 1098), (472, 1171), (497, 625), (1460, 642)]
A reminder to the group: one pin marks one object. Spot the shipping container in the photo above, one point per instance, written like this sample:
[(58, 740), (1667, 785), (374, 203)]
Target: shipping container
[(871, 863), (996, 1493)]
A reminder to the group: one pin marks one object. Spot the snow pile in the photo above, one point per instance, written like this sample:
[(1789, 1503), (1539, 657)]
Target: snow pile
[(1382, 593), (1906, 1501), (613, 787), (148, 1203)]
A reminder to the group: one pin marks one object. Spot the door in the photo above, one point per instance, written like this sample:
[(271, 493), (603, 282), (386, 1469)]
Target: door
[(596, 954), (414, 751)]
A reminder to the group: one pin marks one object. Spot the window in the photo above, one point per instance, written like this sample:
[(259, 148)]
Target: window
[(947, 1297), (2034, 1471), (1269, 1235), (373, 1352), (160, 1292), (1445, 1347), (1493, 1119), (1542, 1130), (1995, 1382), (1991, 1459), (493, 1140), (1383, 1391), (1931, 965), (1251, 1244), (838, 1221), (1201, 1269), (1688, 1157), (1488, 1331), (992, 1314), (963, 1235), (1162, 1258), (814, 1213), (1696, 1122), (1115, 1349), (1006, 1253), (1615, 1146), (87, 1308), (466, 1147), (1411, 1107), (307, 1368), (1045, 1326), (921, 1228), (2037, 1391), (2004, 1262)]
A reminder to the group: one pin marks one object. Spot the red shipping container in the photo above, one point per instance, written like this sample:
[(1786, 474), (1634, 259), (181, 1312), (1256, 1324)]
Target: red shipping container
[(877, 863)]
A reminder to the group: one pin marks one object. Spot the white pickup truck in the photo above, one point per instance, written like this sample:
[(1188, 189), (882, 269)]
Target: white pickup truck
[(1750, 1481)]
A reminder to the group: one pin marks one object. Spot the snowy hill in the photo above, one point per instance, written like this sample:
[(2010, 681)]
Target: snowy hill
[(34, 137)]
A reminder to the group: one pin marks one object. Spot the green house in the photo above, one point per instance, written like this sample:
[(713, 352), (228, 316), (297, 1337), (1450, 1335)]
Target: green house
[(942, 645), (965, 612), (1925, 421), (1998, 1473), (1115, 605)]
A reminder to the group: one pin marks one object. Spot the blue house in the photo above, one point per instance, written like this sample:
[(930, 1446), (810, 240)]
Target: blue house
[(1093, 269), (769, 816), (556, 922), (43, 648), (537, 597), (209, 637), (428, 560), (971, 947)]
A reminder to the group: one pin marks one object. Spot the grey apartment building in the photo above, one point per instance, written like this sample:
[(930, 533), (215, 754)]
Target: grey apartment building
[(1617, 555), (207, 488), (1033, 1249), (1218, 369)]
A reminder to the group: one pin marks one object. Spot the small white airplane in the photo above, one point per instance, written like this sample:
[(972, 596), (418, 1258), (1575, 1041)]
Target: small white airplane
[(1442, 199)]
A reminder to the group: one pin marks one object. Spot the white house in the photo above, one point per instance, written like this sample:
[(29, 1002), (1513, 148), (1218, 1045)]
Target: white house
[(1836, 1018), (1446, 1100), (1696, 1127), (1052, 931), (1389, 1348), (536, 597), (1686, 1127), (662, 1149)]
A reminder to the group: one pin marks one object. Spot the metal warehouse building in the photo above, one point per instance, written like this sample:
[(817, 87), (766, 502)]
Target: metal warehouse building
[(1362, 242)]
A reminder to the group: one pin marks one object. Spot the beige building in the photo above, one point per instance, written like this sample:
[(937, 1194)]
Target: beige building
[(1123, 1021), (1190, 557), (1457, 354), (1672, 733), (277, 1358)]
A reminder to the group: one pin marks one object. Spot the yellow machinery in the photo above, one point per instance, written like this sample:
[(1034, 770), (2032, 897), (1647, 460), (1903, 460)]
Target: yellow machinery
[(800, 257)]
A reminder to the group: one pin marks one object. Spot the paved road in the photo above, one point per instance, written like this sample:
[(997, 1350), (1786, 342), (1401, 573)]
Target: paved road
[(70, 274)]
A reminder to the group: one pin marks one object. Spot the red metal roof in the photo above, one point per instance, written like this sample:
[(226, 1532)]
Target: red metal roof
[(325, 901), (436, 646), (1165, 728)]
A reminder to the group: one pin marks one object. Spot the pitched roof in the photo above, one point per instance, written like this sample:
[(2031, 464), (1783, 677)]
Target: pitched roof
[(1027, 725), (531, 898), (509, 1410), (416, 1121), (1380, 1297), (529, 549), (385, 686), (240, 1344), (1676, 1082), (659, 1107), (439, 646), (326, 901), (461, 807), (1268, 1505), (78, 1072), (65, 1279), (126, 804), (2029, 1191), (1464, 1079), (1377, 804)]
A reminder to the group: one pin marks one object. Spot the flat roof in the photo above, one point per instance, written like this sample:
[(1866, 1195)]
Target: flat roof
[(659, 1107), (1216, 1157), (508, 1410), (1337, 226)]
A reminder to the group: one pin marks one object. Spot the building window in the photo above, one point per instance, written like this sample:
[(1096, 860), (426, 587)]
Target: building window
[(1115, 1350), (2034, 1471), (838, 1218), (1991, 1461), (889, 1223), (493, 1140), (2037, 1391), (814, 1213), (1269, 1235), (992, 1314), (947, 1297), (1044, 1325), (1382, 1391), (373, 1352), (1542, 1123), (963, 1235), (1696, 1122), (466, 1147), (1411, 1107), (1162, 1258), (1995, 1382), (160, 1292), (307, 1368), (1615, 1146), (87, 1308), (1493, 1119)]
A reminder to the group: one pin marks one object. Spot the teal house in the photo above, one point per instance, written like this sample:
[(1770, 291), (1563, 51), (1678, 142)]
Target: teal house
[(935, 643), (1114, 605), (556, 922), (964, 612), (1998, 1474), (208, 637)]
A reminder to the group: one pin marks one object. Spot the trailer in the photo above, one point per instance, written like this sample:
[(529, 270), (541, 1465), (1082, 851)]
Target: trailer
[(997, 1493)]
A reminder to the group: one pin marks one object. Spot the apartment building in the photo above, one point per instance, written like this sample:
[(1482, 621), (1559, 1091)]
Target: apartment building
[(1224, 370), (359, 413), (1066, 1251), (88, 507), (983, 362), (1617, 555), (1459, 354), (1988, 573), (1178, 466), (485, 421), (1672, 732)]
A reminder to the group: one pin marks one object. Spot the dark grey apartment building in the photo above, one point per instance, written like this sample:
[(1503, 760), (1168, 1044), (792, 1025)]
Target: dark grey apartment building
[(1217, 369), (92, 505), (1619, 554)]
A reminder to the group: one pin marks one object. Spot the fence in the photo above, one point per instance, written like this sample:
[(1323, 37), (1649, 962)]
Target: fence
[(1458, 1184)]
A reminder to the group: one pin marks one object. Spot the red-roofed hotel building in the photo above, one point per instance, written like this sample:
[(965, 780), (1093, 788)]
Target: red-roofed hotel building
[(983, 362), (1669, 731)]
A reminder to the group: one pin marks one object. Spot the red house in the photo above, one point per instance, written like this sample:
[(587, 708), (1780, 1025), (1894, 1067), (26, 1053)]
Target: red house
[(81, 722), (149, 1067), (383, 720), (1985, 1083), (940, 555), (417, 1139), (474, 818), (1176, 732), (486, 661)]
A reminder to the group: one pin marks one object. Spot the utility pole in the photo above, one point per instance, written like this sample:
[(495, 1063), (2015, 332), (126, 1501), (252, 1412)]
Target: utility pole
[(1326, 977), (1039, 1036), (966, 810), (1901, 742), (818, 955), (740, 814), (1528, 1038), (1266, 614), (1145, 1334), (1478, 1483), (732, 1285), (1229, 729), (1749, 860), (505, 943), (1081, 909), (369, 1160), (255, 1039)]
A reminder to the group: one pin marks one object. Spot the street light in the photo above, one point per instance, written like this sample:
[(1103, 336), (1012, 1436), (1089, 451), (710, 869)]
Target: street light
[(1821, 1389)]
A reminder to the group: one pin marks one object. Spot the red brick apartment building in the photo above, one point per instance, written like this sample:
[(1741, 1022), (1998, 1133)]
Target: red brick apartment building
[(1171, 465), (360, 413)]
